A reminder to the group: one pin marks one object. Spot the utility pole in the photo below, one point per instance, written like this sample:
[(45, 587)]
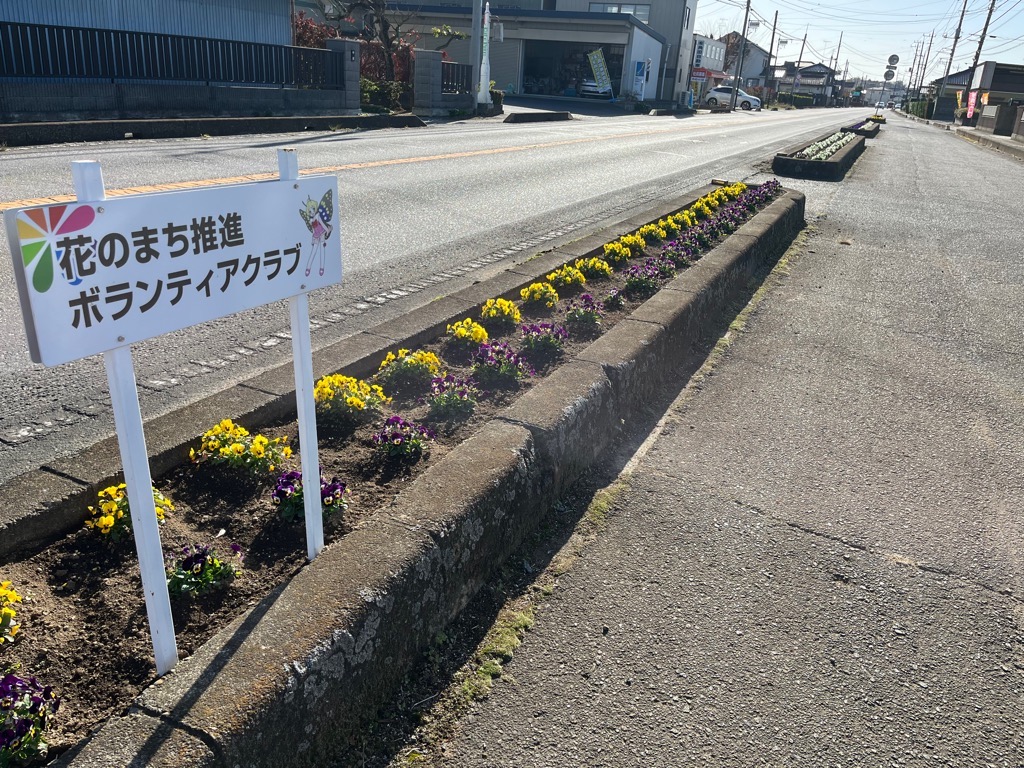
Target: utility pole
[(796, 72), (927, 59), (771, 64), (956, 37), (832, 67), (739, 59), (913, 68), (475, 44), (977, 53)]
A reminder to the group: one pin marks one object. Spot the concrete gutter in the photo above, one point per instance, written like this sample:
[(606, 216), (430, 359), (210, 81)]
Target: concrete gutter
[(301, 671), (30, 134)]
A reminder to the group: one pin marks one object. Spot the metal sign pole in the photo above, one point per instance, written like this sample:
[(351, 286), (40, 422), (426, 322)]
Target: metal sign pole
[(302, 358), (131, 440)]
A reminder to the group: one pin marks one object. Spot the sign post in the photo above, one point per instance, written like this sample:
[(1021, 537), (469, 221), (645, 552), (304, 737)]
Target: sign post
[(98, 275), (131, 440)]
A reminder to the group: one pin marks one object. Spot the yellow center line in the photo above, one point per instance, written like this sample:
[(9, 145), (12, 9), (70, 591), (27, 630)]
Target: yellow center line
[(200, 183)]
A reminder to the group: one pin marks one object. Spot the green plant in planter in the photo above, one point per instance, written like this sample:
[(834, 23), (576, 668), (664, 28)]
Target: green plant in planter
[(345, 401), (200, 569), (594, 268), (26, 707), (500, 315), (111, 517), (567, 278), (539, 296), (409, 370), (230, 445), (8, 626)]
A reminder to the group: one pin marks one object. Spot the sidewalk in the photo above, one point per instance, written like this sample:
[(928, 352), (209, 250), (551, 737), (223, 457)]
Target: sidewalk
[(817, 561)]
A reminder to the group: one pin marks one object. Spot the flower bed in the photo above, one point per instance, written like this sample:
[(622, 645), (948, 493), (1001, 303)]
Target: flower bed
[(828, 158), (82, 594), (867, 128)]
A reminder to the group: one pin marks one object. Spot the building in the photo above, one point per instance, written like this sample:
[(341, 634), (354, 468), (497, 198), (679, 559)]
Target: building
[(755, 60), (995, 91), (250, 21), (817, 81), (708, 69), (543, 45)]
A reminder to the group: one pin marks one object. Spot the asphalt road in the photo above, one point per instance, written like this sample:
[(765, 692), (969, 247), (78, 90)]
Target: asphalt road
[(423, 211), (818, 561)]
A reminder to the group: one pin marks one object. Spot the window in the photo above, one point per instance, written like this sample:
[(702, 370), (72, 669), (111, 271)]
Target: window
[(642, 12)]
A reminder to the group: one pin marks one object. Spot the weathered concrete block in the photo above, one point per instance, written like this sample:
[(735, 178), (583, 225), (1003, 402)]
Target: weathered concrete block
[(140, 741)]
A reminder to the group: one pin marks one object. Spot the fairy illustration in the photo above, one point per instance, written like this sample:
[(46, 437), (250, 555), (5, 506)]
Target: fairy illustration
[(318, 221)]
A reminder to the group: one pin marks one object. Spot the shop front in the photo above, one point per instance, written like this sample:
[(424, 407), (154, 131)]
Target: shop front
[(560, 68)]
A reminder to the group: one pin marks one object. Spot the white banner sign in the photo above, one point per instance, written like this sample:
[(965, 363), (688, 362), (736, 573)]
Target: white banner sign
[(94, 276)]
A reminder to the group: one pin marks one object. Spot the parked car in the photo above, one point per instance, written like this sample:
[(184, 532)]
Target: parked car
[(723, 95), (590, 89)]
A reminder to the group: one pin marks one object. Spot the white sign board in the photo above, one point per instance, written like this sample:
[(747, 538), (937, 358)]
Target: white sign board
[(93, 276)]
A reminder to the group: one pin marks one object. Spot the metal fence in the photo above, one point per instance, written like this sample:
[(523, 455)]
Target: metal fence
[(456, 78), (41, 51)]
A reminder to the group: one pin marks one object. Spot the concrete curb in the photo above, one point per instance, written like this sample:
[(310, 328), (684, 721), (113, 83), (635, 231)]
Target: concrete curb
[(537, 117), (832, 169), (303, 669), (30, 134)]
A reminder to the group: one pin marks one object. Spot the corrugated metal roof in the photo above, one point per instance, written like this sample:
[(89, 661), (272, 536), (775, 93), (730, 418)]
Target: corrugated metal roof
[(256, 21)]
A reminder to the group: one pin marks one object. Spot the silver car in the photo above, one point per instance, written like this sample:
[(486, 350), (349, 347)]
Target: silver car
[(723, 95)]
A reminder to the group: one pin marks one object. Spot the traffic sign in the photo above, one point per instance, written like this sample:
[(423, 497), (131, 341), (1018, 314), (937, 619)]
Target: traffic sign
[(889, 74), (894, 59), (891, 67)]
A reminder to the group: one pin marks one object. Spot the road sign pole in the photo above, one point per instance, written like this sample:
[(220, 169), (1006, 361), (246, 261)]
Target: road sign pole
[(131, 440), (302, 359)]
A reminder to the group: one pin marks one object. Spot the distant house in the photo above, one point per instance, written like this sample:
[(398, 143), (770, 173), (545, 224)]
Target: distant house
[(755, 60), (708, 68), (815, 80)]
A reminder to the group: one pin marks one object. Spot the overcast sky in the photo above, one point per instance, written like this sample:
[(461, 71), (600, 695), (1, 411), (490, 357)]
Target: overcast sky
[(874, 29)]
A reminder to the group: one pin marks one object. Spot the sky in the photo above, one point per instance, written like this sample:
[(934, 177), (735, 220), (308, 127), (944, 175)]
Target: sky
[(872, 30)]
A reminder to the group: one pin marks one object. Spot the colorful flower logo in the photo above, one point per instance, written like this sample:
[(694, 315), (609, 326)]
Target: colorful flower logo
[(40, 230)]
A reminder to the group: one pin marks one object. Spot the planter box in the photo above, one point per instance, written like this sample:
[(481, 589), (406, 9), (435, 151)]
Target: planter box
[(868, 130), (832, 169)]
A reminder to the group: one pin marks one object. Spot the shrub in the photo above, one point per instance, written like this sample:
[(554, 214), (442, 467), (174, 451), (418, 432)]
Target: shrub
[(8, 626), (347, 401), (452, 396), (583, 315), (567, 278), (496, 364), (544, 338), (290, 501), (409, 370), (200, 569), (500, 314), (594, 268), (403, 440), (230, 445), (25, 710), (111, 517), (539, 295), (466, 333)]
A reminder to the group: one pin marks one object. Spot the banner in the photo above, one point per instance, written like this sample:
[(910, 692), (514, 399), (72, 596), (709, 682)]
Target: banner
[(600, 69)]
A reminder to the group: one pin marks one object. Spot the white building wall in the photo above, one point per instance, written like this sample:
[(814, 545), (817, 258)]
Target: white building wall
[(642, 48)]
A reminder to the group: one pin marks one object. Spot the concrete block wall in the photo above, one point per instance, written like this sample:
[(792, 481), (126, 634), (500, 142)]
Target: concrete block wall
[(428, 97)]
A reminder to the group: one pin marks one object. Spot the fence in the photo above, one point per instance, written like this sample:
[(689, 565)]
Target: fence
[(41, 51), (456, 78)]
